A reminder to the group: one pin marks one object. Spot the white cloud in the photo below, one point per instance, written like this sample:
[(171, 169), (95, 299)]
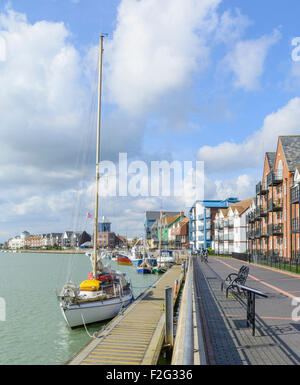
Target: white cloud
[(155, 48), (247, 60), (230, 156), (231, 27)]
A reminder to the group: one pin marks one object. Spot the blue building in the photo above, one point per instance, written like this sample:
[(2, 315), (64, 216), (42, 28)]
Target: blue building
[(202, 215)]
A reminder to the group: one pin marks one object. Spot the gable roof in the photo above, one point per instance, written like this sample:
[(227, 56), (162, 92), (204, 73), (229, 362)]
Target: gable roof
[(271, 159), (291, 148), (242, 206)]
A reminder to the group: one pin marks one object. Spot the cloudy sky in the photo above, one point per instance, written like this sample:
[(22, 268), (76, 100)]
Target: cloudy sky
[(209, 80)]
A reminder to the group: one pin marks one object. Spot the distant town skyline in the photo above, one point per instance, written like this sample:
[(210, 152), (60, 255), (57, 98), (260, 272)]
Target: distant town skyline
[(215, 81)]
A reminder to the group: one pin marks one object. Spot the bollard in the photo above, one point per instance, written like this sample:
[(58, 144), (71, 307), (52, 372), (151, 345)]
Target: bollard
[(169, 316)]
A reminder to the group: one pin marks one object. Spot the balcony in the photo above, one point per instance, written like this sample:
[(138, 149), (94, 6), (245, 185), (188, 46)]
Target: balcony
[(261, 188), (231, 223), (274, 178), (278, 229), (229, 237), (251, 217), (258, 188), (264, 232), (257, 212), (275, 229), (295, 194), (295, 225), (257, 233), (263, 211), (275, 205)]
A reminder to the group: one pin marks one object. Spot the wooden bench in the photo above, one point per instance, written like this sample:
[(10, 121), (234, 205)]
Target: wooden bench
[(234, 280)]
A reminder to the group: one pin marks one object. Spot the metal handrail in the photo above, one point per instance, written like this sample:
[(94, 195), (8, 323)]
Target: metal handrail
[(188, 358)]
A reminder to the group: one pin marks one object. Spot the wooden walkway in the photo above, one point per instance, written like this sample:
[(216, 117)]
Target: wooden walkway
[(136, 336)]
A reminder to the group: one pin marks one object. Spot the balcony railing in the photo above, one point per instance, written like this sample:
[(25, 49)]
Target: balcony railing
[(276, 205), (251, 217), (274, 178), (257, 212), (229, 237), (295, 194), (264, 232), (263, 211), (296, 225), (275, 229)]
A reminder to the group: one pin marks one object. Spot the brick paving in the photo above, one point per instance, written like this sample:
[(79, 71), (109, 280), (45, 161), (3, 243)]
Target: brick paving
[(277, 336)]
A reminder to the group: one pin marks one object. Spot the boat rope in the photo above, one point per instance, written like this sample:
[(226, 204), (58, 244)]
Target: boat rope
[(87, 332)]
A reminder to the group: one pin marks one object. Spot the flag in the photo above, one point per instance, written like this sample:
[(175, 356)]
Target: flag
[(89, 215)]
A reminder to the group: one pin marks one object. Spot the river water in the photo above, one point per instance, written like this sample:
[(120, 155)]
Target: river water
[(32, 328)]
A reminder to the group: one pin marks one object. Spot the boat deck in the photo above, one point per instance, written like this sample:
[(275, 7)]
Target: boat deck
[(136, 336)]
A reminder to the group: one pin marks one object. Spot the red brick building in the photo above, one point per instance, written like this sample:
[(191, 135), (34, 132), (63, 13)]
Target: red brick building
[(273, 225)]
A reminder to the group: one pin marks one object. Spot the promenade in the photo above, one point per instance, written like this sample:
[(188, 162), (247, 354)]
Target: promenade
[(228, 340)]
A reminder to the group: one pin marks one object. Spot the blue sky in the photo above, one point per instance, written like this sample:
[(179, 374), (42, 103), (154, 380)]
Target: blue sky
[(183, 80)]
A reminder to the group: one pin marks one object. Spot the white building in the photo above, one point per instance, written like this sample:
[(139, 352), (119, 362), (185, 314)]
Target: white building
[(18, 242), (202, 216), (230, 235)]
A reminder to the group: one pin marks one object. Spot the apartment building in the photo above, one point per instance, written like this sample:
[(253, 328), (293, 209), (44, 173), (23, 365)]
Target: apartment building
[(202, 216), (273, 221), (230, 234), (179, 233)]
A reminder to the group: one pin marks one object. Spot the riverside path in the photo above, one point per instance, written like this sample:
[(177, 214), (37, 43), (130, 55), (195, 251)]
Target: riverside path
[(227, 339)]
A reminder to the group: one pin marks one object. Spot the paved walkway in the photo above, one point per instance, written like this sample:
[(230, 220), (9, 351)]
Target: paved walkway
[(277, 339)]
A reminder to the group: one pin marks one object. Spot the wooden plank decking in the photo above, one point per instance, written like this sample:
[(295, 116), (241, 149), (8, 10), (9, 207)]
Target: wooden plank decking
[(136, 336)]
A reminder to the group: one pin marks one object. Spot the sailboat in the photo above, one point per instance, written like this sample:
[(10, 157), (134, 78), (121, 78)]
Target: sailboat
[(144, 267), (106, 292)]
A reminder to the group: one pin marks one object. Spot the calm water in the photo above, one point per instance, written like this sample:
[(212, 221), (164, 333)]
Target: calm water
[(34, 331)]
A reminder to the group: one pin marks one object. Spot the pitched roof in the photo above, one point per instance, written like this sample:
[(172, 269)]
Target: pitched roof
[(154, 215), (242, 206), (271, 158), (168, 220), (291, 148)]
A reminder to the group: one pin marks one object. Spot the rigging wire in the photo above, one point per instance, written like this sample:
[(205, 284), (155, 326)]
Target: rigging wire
[(78, 219)]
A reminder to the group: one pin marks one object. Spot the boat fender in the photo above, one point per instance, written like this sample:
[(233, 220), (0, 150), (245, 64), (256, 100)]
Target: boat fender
[(175, 286)]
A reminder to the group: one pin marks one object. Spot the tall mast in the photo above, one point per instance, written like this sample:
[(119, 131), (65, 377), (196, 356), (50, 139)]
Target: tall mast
[(98, 158), (160, 236)]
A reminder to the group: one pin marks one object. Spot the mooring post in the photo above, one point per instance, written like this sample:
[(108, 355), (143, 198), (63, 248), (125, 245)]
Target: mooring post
[(169, 316)]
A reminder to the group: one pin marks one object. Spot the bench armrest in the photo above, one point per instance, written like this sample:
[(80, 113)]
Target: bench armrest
[(231, 275)]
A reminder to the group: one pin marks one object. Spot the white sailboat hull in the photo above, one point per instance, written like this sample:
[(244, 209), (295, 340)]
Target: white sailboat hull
[(96, 311)]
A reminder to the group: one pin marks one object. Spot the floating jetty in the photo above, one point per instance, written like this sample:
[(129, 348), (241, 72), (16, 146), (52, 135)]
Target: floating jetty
[(135, 336)]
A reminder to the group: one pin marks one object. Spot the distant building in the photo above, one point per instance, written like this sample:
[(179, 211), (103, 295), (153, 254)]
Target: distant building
[(19, 241), (165, 225), (74, 238), (230, 228), (108, 240), (179, 233), (202, 216), (151, 217), (104, 226)]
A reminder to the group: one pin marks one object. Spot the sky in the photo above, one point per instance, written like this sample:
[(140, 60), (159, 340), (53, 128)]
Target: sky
[(215, 81)]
